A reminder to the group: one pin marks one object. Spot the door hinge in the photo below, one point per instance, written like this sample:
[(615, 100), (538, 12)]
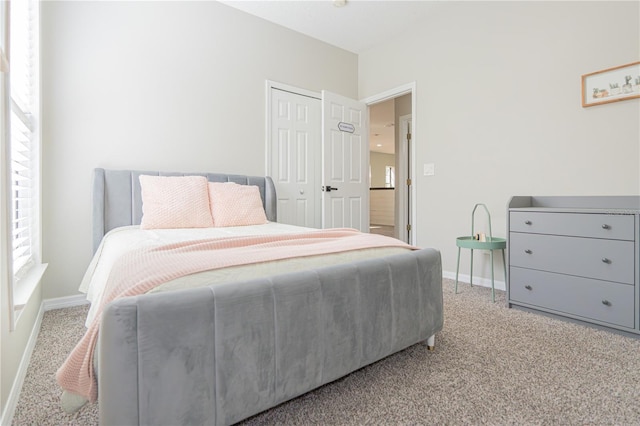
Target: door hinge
[(408, 182), (408, 136), (408, 227)]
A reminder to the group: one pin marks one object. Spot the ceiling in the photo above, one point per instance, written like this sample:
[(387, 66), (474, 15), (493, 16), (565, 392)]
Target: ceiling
[(357, 26), (382, 127)]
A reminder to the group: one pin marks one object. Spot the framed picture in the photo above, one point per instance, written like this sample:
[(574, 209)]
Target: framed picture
[(611, 85)]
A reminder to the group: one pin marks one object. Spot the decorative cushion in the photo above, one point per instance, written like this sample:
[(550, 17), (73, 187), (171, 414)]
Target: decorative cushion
[(175, 202), (236, 205)]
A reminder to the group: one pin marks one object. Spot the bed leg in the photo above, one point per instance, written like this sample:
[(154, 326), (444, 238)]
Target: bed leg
[(431, 342)]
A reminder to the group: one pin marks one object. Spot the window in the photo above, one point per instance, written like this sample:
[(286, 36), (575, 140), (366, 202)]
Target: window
[(389, 176), (22, 130), (23, 153)]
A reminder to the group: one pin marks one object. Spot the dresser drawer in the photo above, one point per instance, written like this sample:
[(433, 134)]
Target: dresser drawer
[(610, 260), (609, 226), (602, 301)]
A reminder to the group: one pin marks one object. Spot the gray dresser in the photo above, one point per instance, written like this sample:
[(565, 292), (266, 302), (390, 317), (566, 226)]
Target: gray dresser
[(577, 257)]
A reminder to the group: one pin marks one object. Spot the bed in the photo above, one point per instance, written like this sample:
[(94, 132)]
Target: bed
[(221, 351)]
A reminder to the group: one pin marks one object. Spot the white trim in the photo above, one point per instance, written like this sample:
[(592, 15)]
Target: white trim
[(403, 174), (482, 282), (390, 94), (27, 285), (16, 388), (293, 89), (394, 93), (65, 302), (14, 393)]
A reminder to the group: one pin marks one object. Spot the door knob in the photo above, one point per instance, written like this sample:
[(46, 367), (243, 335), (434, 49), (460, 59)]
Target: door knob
[(329, 188)]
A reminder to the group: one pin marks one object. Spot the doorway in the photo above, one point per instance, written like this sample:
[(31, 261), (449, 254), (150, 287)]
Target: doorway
[(382, 169), (404, 169), (390, 166)]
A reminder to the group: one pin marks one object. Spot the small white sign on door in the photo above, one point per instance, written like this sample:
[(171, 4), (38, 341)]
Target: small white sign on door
[(346, 127)]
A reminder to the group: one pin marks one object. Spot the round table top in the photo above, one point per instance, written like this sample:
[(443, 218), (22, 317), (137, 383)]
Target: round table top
[(491, 243)]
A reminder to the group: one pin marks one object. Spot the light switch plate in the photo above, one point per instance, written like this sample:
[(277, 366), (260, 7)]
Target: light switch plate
[(429, 169)]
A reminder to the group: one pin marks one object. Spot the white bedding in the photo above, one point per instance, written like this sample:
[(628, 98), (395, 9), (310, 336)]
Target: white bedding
[(119, 241)]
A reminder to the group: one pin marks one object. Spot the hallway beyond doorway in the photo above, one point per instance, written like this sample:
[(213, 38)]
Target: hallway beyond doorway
[(389, 231)]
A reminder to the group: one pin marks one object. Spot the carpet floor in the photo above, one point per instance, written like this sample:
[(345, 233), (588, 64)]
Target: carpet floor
[(492, 365)]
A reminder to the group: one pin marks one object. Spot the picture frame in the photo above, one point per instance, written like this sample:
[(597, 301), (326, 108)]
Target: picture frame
[(611, 85)]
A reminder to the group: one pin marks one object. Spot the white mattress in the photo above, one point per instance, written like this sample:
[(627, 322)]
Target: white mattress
[(119, 241)]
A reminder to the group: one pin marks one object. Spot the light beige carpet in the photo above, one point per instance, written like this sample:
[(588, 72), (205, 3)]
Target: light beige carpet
[(492, 365)]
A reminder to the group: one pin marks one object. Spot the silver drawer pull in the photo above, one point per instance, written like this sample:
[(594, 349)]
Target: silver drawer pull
[(605, 226), (528, 287), (527, 222), (528, 251), (606, 302), (605, 260)]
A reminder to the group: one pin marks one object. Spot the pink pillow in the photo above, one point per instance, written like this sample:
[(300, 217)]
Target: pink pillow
[(235, 205), (175, 202)]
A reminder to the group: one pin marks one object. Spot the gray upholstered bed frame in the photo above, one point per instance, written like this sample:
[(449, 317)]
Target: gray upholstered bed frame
[(117, 201), (218, 354)]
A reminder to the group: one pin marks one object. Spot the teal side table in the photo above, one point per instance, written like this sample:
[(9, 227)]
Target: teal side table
[(492, 243)]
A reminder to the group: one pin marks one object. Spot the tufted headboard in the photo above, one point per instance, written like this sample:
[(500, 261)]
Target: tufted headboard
[(117, 201)]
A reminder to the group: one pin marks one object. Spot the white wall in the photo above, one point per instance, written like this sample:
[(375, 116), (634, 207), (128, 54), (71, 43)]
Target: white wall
[(158, 85), (382, 207), (378, 162), (499, 112), (381, 202)]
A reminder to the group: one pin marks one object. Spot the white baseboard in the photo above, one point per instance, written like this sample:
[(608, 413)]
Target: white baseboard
[(46, 305), (14, 394), (65, 302), (483, 282)]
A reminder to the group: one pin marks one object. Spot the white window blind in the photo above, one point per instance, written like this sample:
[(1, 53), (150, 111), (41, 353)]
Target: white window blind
[(24, 157)]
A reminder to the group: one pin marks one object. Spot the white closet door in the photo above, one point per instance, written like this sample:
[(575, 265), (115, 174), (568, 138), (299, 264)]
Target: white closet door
[(295, 156), (345, 168)]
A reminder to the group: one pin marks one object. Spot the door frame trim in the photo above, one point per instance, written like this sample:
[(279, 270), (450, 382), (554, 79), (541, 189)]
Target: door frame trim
[(391, 94), (404, 170)]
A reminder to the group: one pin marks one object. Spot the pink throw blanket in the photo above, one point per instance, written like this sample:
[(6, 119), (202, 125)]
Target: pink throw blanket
[(141, 270)]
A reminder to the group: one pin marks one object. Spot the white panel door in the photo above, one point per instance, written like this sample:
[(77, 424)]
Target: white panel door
[(345, 165), (295, 156)]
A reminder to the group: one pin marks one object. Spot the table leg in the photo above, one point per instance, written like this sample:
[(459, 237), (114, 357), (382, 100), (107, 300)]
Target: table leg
[(471, 276), (504, 263), (457, 269), (493, 287)]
